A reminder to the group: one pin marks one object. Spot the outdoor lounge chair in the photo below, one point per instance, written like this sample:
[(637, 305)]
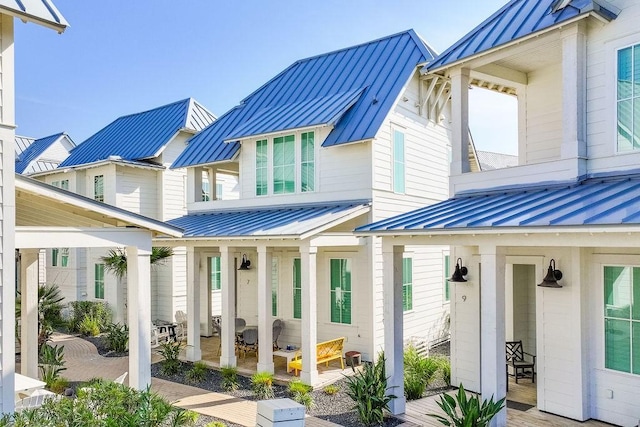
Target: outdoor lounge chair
[(249, 342), (278, 326), (181, 320), (516, 359)]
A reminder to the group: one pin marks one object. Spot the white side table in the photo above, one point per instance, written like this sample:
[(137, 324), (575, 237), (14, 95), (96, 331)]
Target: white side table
[(287, 354)]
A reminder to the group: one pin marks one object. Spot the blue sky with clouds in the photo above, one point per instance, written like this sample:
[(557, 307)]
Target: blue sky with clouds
[(122, 56)]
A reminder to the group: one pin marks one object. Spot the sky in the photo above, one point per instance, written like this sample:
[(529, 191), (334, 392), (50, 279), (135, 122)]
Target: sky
[(121, 57)]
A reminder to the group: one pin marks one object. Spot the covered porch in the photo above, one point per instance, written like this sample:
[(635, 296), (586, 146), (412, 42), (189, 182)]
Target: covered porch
[(48, 217), (575, 324), (273, 263)]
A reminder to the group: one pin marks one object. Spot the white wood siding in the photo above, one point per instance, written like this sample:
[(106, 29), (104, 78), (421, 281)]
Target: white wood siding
[(171, 187), (544, 114), (137, 191)]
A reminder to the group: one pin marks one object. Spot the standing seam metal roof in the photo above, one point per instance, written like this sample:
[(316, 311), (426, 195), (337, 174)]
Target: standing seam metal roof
[(516, 19), (601, 201), (35, 149), (141, 135), (269, 221), (378, 69), (41, 11)]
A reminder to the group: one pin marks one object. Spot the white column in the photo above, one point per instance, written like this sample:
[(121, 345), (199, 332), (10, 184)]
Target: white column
[(265, 321), (309, 373), (460, 119), (193, 305), (139, 306), (393, 324), (29, 312), (206, 328), (493, 376), (228, 291)]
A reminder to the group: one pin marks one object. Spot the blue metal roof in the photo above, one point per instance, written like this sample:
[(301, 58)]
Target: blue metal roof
[(517, 19), (43, 12), (34, 150), (376, 70), (142, 135), (601, 201), (268, 221)]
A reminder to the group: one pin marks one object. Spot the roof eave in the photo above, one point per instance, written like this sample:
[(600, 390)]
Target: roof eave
[(592, 12), (539, 230), (29, 184), (25, 17)]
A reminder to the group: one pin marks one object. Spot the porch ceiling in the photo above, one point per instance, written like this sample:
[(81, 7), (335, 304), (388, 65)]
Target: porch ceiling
[(596, 202), (39, 204), (298, 221)]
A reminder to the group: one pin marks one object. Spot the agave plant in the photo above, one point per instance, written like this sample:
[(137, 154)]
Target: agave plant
[(471, 411)]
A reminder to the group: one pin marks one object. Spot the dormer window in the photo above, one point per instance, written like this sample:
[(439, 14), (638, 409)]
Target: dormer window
[(285, 164), (628, 99)]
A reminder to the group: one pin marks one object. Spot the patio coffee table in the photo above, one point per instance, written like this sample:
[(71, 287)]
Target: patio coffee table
[(287, 354)]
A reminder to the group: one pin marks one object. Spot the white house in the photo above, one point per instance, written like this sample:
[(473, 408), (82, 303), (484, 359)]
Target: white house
[(125, 164), (571, 204), (332, 142)]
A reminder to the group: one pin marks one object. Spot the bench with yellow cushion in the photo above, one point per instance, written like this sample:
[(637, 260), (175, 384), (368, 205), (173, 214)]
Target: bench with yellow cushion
[(325, 352)]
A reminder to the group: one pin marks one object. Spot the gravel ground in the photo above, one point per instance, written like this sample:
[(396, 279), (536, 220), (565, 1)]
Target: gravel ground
[(336, 408)]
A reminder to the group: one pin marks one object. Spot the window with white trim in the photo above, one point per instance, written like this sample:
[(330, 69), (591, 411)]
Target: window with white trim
[(307, 163), (340, 270), (297, 289), (98, 281), (214, 273), (54, 257), (284, 164), (98, 188), (407, 284), (64, 257), (262, 167), (628, 99), (64, 184), (274, 286), (447, 289), (622, 318)]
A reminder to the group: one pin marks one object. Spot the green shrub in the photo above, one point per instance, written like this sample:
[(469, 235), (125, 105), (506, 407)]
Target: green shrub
[(419, 372), (331, 389), (368, 389), (51, 363), (198, 372), (262, 385), (229, 378), (117, 337), (90, 326), (471, 411), (59, 385), (104, 404), (301, 393), (216, 424), (445, 369), (170, 351), (96, 309)]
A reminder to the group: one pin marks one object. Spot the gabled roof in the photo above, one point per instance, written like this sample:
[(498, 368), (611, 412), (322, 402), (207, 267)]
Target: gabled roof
[(352, 90), (606, 201), (515, 20), (42, 12), (34, 150), (22, 142), (290, 221), (142, 135)]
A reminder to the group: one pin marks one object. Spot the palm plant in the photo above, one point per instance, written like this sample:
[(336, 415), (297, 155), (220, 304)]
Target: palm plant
[(49, 306), (116, 259)]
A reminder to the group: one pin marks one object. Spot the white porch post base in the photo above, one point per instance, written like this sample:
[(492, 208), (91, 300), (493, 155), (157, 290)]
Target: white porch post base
[(193, 352), (309, 373), (228, 294), (393, 326), (492, 328), (139, 298)]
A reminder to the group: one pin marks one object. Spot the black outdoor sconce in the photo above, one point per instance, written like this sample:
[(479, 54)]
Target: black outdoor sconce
[(552, 277), (459, 272), (245, 263)]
